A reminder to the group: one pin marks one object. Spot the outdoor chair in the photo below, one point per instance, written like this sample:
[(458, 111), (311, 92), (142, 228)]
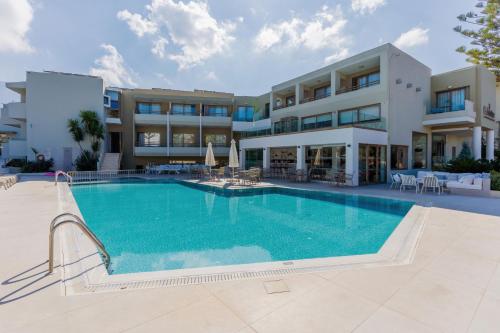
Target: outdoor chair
[(395, 180), (219, 173), (408, 181), (431, 182)]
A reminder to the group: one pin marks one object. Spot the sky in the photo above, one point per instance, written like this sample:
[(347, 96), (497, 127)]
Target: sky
[(239, 46)]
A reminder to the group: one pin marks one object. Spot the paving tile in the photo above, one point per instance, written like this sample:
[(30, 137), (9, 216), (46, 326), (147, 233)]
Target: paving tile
[(463, 267), (487, 318), (377, 284), (206, 316), (436, 301), (493, 289), (326, 309), (388, 321)]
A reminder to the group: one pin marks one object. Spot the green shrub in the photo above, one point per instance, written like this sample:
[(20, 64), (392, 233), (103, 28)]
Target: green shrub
[(466, 165), (495, 180), (16, 163), (40, 165), (86, 161)]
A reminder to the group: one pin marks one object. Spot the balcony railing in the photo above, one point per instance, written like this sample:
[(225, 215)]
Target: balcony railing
[(146, 144), (316, 125), (357, 87), (286, 126), (185, 144), (113, 113), (314, 98), (183, 113), (447, 108)]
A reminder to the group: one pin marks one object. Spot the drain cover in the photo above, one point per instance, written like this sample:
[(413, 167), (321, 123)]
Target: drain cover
[(276, 286)]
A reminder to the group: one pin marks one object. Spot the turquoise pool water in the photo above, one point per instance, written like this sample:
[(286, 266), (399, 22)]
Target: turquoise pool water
[(151, 226)]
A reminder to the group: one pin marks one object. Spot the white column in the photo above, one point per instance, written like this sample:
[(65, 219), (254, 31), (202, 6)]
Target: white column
[(351, 161), (476, 142), (201, 131), (298, 94), (168, 133), (490, 145), (333, 82), (271, 103), (266, 158), (242, 159), (301, 158)]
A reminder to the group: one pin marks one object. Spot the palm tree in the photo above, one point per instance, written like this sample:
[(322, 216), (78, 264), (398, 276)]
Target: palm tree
[(76, 131), (89, 125)]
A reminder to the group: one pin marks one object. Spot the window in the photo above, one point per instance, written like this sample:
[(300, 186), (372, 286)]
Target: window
[(286, 125), (399, 157), (114, 99), (254, 158), (216, 111), (148, 108), (290, 100), (419, 143), (360, 115), (319, 121), (148, 139), (451, 100), (218, 140), (244, 113), (267, 108), (185, 109), (322, 92), (366, 80), (183, 140)]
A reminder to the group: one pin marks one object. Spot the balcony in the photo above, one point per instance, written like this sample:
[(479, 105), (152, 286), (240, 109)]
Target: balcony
[(150, 150), (244, 126), (216, 121), (357, 87), (315, 89), (361, 75), (150, 118), (113, 117), (16, 110), (314, 98), (451, 115), (286, 125)]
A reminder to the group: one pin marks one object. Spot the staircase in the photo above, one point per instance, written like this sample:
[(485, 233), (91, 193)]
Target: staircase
[(110, 161)]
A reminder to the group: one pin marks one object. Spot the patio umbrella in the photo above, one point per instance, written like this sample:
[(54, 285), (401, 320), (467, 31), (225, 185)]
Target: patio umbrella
[(317, 159), (233, 157), (209, 158)]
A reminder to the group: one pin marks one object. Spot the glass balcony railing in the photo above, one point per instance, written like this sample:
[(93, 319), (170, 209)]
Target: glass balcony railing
[(446, 108), (315, 98), (286, 126), (357, 87)]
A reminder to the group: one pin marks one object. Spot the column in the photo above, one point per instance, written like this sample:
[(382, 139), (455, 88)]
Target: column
[(266, 158), (201, 131), (476, 142), (490, 145), (242, 159), (333, 82), (352, 161), (168, 134), (301, 158), (298, 94), (271, 103)]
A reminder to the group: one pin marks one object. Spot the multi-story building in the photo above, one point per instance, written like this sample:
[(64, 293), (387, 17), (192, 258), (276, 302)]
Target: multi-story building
[(39, 121), (377, 111)]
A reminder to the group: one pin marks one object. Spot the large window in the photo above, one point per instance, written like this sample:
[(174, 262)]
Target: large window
[(419, 142), (148, 139), (322, 92), (244, 113), (216, 111), (183, 140), (184, 109), (360, 115), (319, 121), (451, 100), (399, 157), (114, 99), (218, 140), (254, 158), (365, 80), (148, 108)]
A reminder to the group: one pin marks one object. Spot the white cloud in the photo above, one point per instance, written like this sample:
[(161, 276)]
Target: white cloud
[(413, 37), (158, 48), (337, 56), (111, 67), (366, 6), (187, 25), (212, 76), (15, 20), (325, 30), (139, 25)]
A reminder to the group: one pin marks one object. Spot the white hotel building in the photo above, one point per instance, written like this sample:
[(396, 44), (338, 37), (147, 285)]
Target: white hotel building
[(374, 112)]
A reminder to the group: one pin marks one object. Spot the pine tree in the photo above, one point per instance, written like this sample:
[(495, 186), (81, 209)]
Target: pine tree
[(486, 39)]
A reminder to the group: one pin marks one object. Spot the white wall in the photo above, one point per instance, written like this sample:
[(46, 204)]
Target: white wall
[(52, 99)]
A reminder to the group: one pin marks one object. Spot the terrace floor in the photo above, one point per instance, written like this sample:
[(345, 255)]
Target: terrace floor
[(452, 285)]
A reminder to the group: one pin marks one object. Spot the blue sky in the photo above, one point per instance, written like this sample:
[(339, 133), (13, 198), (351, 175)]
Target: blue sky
[(238, 46)]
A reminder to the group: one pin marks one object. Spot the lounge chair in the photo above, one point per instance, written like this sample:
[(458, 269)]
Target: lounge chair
[(408, 181), (395, 180)]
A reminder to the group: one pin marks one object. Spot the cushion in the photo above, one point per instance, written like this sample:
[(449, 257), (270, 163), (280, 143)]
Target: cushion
[(452, 177), (478, 181), (441, 177), (466, 180), (396, 178)]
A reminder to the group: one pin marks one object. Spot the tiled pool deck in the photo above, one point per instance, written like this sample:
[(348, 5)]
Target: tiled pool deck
[(453, 284)]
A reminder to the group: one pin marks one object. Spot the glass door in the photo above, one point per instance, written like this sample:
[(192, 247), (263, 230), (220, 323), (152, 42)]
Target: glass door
[(372, 164)]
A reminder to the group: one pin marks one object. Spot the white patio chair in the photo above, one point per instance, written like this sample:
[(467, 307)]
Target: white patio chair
[(431, 182), (395, 180), (408, 181)]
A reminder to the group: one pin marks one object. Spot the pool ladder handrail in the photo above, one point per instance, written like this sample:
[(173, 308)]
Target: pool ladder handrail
[(69, 179), (72, 218)]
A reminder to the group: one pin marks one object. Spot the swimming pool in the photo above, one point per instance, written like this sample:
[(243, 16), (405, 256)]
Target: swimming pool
[(166, 225)]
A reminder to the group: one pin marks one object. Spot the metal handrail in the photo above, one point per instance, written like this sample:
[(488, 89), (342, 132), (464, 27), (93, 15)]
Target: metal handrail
[(69, 179), (83, 227)]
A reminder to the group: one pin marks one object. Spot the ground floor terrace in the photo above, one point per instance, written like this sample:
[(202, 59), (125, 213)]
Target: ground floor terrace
[(451, 283)]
